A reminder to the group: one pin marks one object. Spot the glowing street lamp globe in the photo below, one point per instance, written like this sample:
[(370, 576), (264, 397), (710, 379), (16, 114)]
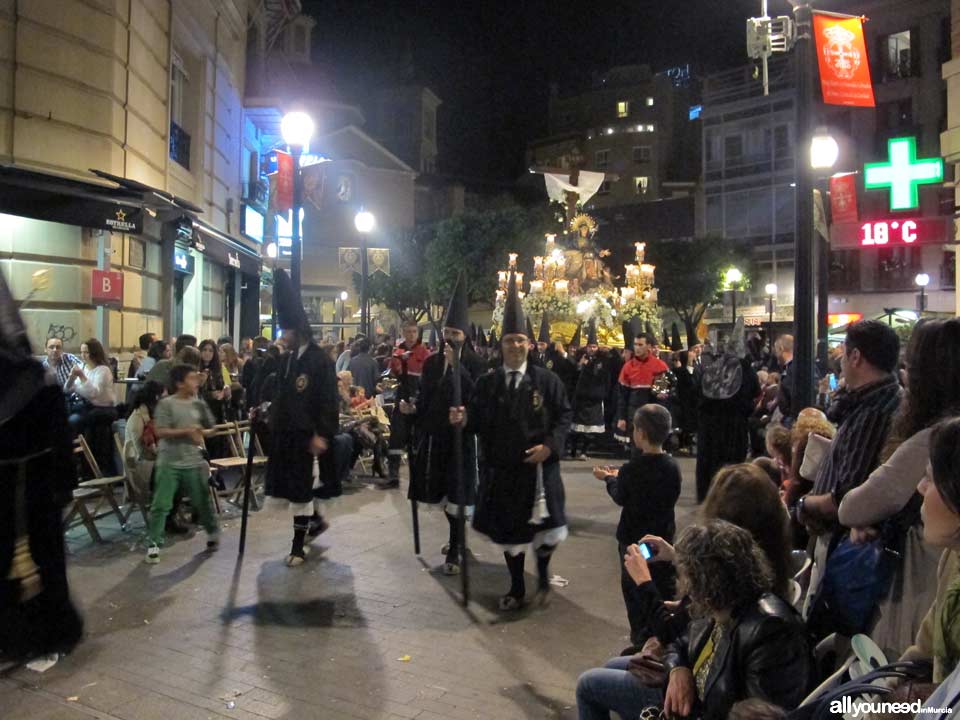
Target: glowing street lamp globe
[(296, 128), (733, 276), (824, 150), (365, 222), (922, 280), (344, 295), (771, 289)]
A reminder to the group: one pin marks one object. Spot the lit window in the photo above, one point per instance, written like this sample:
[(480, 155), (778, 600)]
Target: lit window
[(649, 102), (601, 158), (897, 58), (649, 128), (623, 108), (642, 184)]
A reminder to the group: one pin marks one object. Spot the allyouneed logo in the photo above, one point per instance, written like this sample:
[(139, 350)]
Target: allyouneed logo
[(848, 707)]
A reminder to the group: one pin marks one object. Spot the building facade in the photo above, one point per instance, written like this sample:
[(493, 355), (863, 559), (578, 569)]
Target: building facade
[(633, 123), (950, 139), (750, 155), (148, 93)]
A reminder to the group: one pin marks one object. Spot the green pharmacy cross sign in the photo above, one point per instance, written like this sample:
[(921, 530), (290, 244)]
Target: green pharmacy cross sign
[(903, 174)]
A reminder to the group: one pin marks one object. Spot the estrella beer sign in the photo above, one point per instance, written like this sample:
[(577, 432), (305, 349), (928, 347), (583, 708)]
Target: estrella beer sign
[(842, 58)]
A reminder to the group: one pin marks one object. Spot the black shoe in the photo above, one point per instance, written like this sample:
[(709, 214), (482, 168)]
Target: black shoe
[(318, 526), (386, 484)]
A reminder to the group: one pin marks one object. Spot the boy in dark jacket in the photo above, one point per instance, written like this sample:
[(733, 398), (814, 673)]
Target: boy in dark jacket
[(647, 488)]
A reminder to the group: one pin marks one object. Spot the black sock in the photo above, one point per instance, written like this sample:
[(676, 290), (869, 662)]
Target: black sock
[(300, 525), (543, 565), (453, 552), (518, 588)]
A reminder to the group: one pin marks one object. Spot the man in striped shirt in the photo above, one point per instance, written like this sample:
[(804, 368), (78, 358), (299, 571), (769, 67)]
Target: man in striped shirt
[(863, 411), (58, 362)]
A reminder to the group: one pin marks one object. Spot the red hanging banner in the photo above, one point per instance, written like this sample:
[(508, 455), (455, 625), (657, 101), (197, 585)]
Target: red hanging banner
[(843, 199), (281, 184), (842, 56)]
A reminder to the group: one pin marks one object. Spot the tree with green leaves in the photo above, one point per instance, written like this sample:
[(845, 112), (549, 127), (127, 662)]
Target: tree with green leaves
[(690, 275), (479, 242)]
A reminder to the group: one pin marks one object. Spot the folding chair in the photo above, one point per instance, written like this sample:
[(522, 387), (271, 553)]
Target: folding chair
[(234, 464), (96, 490), (132, 498), (103, 483)]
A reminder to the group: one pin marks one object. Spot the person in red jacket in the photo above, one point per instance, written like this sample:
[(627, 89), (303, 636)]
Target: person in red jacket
[(636, 380), (406, 365)]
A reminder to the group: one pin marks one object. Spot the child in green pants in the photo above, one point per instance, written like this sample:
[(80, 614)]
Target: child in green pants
[(180, 419)]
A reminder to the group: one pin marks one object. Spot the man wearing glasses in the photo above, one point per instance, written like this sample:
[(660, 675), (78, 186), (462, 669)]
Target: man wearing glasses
[(58, 362)]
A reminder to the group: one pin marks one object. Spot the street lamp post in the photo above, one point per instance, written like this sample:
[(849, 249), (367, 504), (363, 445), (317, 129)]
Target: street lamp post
[(922, 280), (824, 152), (296, 129), (272, 252), (343, 299), (365, 222), (771, 290)]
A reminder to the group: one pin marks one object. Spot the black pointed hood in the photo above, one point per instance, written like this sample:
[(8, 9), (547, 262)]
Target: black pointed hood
[(592, 333), (493, 338), (456, 316), (648, 329), (482, 338), (676, 343), (628, 335), (290, 313), (575, 340), (636, 328), (514, 321), (433, 337), (544, 336)]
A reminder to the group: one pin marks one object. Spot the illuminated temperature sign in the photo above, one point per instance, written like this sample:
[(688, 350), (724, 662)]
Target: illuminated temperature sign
[(891, 233)]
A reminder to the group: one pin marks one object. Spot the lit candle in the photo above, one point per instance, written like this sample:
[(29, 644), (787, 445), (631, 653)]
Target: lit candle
[(519, 279), (551, 240), (561, 287), (646, 274), (627, 293), (503, 278), (633, 274), (538, 267), (536, 287), (501, 294), (640, 250), (520, 295), (513, 261)]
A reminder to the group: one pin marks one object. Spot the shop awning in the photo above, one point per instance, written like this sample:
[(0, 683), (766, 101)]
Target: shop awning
[(226, 250), (119, 206)]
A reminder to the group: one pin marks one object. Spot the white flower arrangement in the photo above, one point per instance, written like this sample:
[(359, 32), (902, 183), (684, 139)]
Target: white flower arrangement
[(557, 307), (646, 310)]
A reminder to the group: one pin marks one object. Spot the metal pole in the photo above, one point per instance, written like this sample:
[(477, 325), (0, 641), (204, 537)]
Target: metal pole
[(804, 315), (296, 250), (770, 301), (923, 299), (733, 300), (461, 480), (823, 291), (364, 310)]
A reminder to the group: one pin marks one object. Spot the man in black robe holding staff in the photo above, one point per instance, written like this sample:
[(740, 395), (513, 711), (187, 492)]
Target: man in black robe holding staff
[(521, 416), (433, 480)]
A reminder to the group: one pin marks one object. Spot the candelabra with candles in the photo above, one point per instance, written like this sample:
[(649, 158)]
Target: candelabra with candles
[(554, 290)]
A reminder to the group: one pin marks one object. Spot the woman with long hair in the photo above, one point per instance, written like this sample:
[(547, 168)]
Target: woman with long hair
[(215, 391), (140, 440), (887, 503), (744, 639), (93, 403)]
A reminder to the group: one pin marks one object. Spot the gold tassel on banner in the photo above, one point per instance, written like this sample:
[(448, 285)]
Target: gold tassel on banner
[(23, 569)]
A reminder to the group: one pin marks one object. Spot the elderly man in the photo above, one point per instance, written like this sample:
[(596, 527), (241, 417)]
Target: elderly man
[(58, 362)]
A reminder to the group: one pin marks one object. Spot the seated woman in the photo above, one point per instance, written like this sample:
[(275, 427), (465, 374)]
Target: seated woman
[(94, 409), (746, 642), (739, 494)]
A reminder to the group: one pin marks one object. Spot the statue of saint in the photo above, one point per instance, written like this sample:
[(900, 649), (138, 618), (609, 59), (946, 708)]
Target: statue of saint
[(585, 270)]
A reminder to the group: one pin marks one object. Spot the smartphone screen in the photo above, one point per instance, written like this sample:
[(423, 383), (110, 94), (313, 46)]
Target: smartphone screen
[(645, 551), (833, 381)]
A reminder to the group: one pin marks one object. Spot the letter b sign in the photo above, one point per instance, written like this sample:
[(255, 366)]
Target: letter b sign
[(107, 288)]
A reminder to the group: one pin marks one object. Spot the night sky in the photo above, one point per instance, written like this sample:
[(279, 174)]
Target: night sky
[(492, 62)]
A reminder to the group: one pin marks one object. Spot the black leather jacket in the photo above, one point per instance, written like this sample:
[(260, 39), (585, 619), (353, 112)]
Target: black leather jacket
[(766, 654)]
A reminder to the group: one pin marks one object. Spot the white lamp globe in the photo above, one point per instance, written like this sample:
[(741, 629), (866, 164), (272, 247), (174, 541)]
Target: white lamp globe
[(733, 276), (771, 288), (343, 295), (824, 150), (296, 128), (272, 250), (365, 221), (922, 280)]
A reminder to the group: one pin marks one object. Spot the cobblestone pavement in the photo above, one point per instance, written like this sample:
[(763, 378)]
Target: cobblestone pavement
[(364, 629)]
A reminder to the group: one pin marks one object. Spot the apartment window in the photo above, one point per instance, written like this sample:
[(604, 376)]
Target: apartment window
[(623, 108), (650, 128), (604, 188), (895, 115), (733, 149), (896, 54), (179, 137), (601, 159), (897, 267), (781, 141), (642, 153), (642, 184), (649, 102)]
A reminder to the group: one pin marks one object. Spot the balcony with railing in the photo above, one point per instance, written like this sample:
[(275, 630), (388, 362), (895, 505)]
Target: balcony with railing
[(179, 145)]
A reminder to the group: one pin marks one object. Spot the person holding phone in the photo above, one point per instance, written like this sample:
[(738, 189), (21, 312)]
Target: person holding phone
[(647, 488), (745, 643)]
